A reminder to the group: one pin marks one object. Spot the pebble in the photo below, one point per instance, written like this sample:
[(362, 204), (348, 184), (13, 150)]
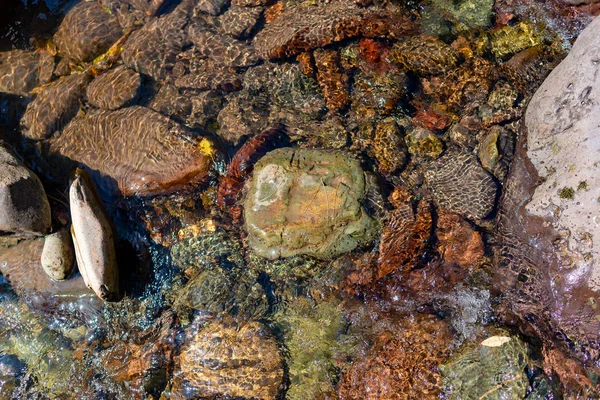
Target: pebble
[(57, 255)]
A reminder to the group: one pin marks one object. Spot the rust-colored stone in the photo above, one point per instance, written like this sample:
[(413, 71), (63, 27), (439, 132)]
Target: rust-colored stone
[(404, 239), (401, 365), (429, 118), (307, 63), (459, 243), (332, 80), (274, 11)]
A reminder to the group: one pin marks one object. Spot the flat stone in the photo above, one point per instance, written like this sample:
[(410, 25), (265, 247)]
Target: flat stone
[(24, 208), (54, 107), (23, 70), (306, 202), (139, 150), (86, 32), (114, 89)]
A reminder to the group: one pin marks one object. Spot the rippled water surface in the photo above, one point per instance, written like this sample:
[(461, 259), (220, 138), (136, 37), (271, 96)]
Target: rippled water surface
[(357, 260)]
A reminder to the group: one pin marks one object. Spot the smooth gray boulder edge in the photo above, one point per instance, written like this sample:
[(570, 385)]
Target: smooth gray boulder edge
[(24, 207)]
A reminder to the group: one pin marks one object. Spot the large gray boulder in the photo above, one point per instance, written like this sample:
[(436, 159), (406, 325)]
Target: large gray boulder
[(549, 218), (24, 208)]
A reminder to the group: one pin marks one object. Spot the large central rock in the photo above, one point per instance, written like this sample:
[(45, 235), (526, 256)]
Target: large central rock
[(306, 202)]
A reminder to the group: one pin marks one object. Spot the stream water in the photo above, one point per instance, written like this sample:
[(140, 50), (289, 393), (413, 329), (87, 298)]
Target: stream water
[(304, 197)]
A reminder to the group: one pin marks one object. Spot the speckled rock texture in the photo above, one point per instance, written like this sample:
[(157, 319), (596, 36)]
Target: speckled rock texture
[(563, 144), (24, 208), (23, 70), (305, 27), (54, 107), (58, 255), (460, 184), (86, 32), (138, 149), (306, 202), (114, 88), (493, 368), (232, 359)]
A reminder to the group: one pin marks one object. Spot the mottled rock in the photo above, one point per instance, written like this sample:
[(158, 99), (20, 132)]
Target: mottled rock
[(223, 50), (305, 27), (22, 70), (389, 147), (54, 106), (496, 150), (460, 184), (239, 22), (210, 7), (509, 40), (93, 239), (227, 358), (422, 142), (404, 238), (24, 208), (57, 256), (458, 242), (87, 31), (424, 55), (332, 80), (494, 367), (377, 93), (251, 3), (148, 153), (114, 88), (306, 202), (401, 364)]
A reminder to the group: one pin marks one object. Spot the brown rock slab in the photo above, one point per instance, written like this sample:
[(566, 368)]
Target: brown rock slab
[(140, 150), (23, 70), (114, 88), (458, 243)]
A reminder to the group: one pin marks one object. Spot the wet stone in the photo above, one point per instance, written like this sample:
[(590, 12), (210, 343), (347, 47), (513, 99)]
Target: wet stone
[(211, 76), (458, 242), (424, 55), (229, 358), (54, 107), (494, 366), (114, 88), (57, 256), (148, 153), (496, 150), (238, 22), (223, 50), (24, 208), (305, 27), (210, 7), (87, 31), (389, 147), (332, 80), (306, 202), (422, 142), (22, 70), (460, 184)]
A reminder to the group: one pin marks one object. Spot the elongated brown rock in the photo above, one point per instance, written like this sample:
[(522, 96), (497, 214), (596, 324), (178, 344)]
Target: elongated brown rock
[(142, 151), (93, 239)]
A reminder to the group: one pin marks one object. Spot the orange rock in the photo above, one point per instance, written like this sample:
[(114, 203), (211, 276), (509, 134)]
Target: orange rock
[(307, 63), (404, 239), (274, 11), (429, 118), (459, 243), (401, 365), (332, 80)]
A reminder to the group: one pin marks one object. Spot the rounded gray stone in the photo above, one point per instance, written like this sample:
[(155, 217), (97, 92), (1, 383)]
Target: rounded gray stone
[(57, 255)]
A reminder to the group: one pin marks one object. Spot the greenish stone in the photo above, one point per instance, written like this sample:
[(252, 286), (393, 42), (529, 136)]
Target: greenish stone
[(424, 143), (492, 369)]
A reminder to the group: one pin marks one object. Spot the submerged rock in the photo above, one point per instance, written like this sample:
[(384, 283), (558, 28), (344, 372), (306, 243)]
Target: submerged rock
[(24, 207), (332, 80), (223, 50), (495, 367), (458, 242), (93, 239), (227, 358), (461, 185), (23, 70), (54, 107), (87, 31), (401, 364), (306, 202), (238, 22), (140, 150), (58, 255), (305, 27), (424, 55), (114, 88)]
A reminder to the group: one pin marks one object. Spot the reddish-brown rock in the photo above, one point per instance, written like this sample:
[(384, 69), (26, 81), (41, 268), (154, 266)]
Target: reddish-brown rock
[(458, 243), (332, 80), (401, 365)]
